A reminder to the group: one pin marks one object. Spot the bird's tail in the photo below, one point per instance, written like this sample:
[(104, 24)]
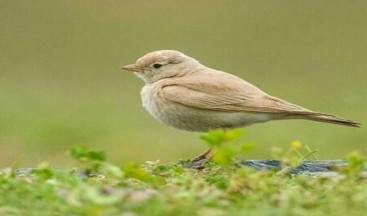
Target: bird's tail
[(293, 111), (332, 119)]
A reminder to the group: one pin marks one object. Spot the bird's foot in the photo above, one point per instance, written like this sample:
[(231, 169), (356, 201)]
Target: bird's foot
[(199, 161)]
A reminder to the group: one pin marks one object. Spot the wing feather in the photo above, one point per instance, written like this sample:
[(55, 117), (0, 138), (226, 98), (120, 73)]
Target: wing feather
[(227, 94)]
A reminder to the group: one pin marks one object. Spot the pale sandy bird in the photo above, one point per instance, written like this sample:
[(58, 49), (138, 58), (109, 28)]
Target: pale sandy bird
[(184, 94)]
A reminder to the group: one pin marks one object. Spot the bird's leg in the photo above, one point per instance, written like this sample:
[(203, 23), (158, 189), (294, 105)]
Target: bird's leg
[(200, 160), (202, 155)]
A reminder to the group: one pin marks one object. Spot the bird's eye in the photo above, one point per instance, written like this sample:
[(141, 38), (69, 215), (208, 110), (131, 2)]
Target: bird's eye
[(156, 66)]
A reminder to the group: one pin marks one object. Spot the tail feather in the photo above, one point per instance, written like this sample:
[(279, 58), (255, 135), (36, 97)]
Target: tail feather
[(332, 119), (293, 111)]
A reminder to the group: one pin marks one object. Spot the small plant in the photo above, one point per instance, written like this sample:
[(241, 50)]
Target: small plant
[(155, 188), (221, 141), (356, 162), (92, 159), (293, 156)]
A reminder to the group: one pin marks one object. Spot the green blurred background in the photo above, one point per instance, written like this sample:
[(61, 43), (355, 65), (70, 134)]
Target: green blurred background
[(60, 82)]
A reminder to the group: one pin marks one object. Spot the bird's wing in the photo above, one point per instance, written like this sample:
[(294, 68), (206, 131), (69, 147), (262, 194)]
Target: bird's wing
[(227, 95)]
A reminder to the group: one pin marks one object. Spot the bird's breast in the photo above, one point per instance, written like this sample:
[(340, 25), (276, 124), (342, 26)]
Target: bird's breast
[(153, 101), (167, 112), (193, 119)]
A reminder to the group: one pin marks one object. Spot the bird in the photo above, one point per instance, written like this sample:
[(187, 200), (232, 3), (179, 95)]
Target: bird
[(184, 94)]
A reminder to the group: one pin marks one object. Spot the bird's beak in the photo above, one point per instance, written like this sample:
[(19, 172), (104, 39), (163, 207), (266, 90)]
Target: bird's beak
[(132, 67)]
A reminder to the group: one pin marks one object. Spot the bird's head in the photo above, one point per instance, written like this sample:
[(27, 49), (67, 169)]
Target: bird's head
[(162, 64)]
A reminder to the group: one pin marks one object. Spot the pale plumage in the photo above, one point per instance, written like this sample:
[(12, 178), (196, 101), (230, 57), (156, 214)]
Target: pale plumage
[(185, 94)]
